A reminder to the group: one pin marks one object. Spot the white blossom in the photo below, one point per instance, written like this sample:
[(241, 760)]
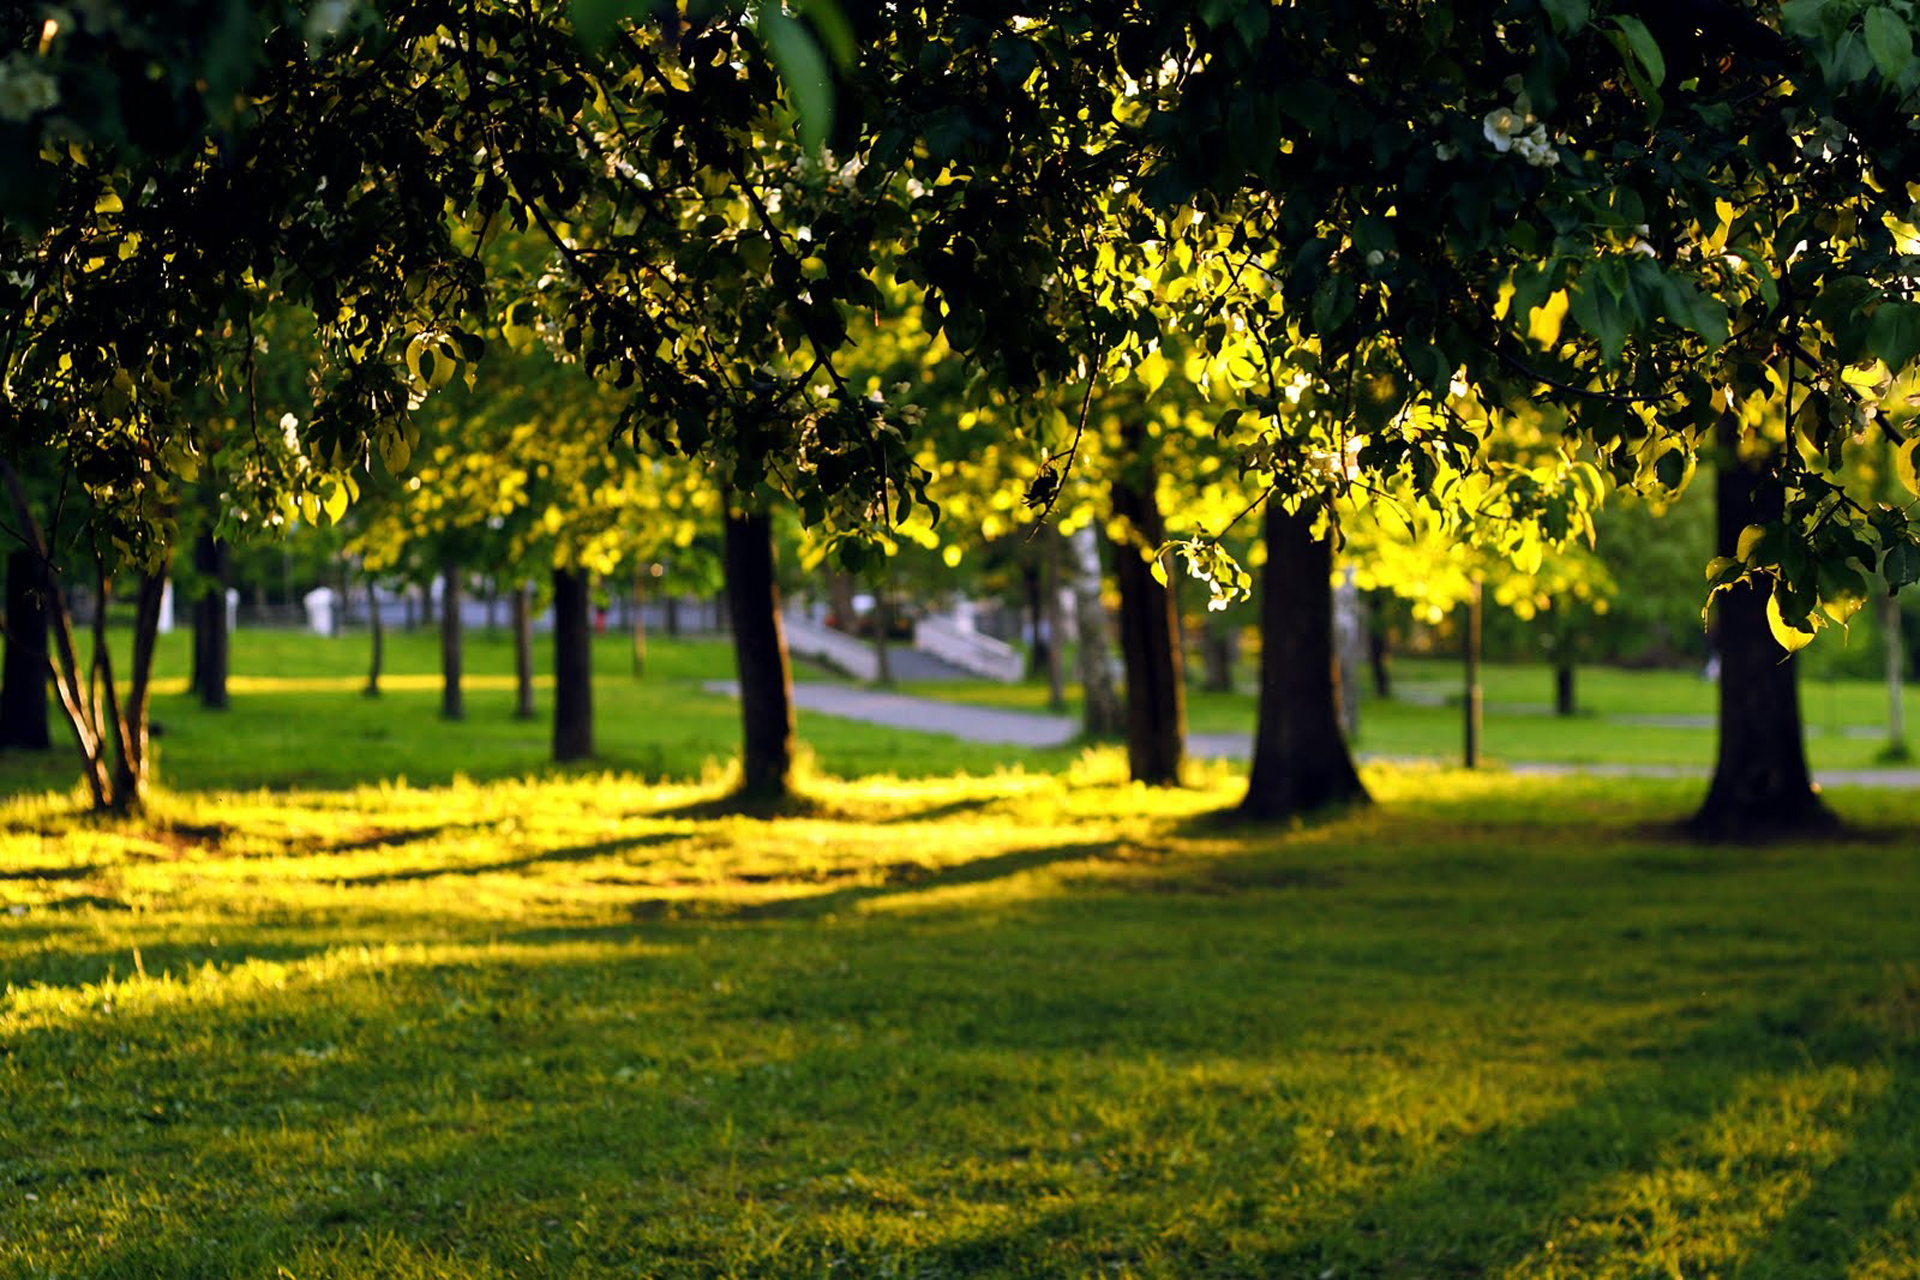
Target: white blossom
[(25, 89)]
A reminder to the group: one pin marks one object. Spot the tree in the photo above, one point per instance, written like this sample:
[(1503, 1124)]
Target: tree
[(23, 677), (1300, 759), (760, 659)]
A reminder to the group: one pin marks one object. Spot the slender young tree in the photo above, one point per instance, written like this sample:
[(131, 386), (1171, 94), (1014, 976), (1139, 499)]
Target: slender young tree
[(572, 665), (23, 676)]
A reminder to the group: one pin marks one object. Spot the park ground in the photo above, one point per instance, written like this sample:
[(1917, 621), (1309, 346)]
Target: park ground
[(963, 1011)]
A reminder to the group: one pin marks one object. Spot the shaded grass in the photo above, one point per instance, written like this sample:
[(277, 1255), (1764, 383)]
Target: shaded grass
[(1006, 1025)]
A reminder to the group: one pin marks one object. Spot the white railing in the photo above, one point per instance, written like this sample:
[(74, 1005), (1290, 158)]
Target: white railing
[(837, 649), (969, 650)]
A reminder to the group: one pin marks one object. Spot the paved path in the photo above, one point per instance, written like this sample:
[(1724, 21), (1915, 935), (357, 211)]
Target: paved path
[(1034, 729)]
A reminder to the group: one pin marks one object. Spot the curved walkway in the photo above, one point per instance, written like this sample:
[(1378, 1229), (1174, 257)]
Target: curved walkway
[(1036, 729)]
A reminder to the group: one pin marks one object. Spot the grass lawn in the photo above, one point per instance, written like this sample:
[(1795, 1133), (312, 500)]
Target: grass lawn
[(1626, 717), (1009, 1025), (298, 719), (305, 1020)]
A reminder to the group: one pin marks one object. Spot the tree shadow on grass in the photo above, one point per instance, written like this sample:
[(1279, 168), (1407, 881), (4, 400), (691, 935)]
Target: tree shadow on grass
[(888, 880), (571, 853)]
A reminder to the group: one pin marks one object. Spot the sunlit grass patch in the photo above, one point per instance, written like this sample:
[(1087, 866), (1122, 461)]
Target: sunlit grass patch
[(1010, 1022)]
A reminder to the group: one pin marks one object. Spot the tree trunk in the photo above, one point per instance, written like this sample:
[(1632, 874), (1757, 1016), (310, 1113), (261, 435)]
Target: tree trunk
[(1896, 669), (377, 633), (1219, 651), (130, 766), (882, 625), (760, 656), (1149, 641), (1472, 707), (1101, 712), (1761, 786), (1379, 649), (1050, 548), (572, 665), (672, 620), (211, 644), (23, 676), (452, 705), (1031, 582), (1300, 759), (1564, 703), (523, 708), (639, 620), (840, 601)]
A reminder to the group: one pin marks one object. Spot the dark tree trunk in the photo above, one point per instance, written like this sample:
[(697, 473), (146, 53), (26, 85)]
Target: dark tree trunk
[(1472, 706), (1031, 582), (1563, 679), (882, 627), (377, 634), (452, 705), (523, 708), (1149, 641), (1761, 786), (1300, 758), (672, 620), (639, 621), (572, 665), (1101, 711), (211, 644), (1052, 549), (760, 656), (1219, 650), (23, 677), (1379, 649)]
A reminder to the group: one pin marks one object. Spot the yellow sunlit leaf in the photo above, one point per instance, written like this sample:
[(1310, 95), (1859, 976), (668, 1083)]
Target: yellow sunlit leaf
[(1903, 463), (1749, 541), (1544, 321), (1788, 638)]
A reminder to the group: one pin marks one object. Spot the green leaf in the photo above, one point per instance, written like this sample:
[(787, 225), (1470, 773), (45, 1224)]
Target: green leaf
[(1671, 468), (1646, 50), (802, 69), (1890, 41), (594, 20), (835, 31), (1749, 543), (1843, 592), (1568, 16), (1894, 334), (1901, 566)]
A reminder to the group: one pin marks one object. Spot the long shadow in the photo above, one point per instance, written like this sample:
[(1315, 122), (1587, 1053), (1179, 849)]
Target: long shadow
[(378, 839), (77, 872), (940, 812), (76, 967), (897, 878), (570, 853)]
